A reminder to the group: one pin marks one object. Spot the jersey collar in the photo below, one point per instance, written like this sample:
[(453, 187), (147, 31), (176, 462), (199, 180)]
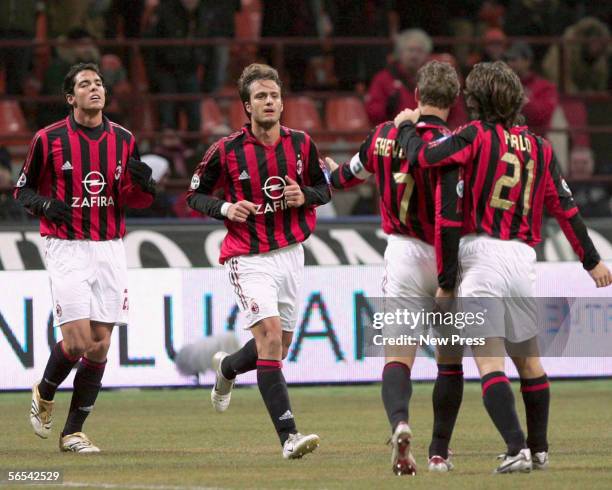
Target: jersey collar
[(429, 121), (72, 124), (250, 137)]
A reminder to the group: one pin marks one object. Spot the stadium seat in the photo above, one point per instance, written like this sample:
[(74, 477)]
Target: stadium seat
[(13, 126), (248, 24), (575, 112), (237, 117), (138, 73), (301, 113), (211, 117), (346, 114)]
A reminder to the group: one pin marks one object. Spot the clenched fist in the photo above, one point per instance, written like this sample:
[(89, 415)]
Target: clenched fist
[(239, 211)]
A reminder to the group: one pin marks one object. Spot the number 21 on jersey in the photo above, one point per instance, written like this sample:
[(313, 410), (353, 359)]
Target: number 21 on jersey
[(510, 181)]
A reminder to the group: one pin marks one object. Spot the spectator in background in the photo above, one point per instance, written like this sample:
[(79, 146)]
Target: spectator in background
[(537, 18), (171, 147), (360, 18), (174, 69), (79, 47), (494, 45), (542, 97), (17, 21), (162, 206), (118, 89), (593, 198), (392, 89), (586, 63), (290, 18), (64, 16), (10, 210), (124, 18), (218, 22)]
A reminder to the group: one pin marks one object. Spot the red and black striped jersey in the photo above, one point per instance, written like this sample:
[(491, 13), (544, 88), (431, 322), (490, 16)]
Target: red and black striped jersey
[(246, 169), (410, 198), (89, 175), (511, 176)]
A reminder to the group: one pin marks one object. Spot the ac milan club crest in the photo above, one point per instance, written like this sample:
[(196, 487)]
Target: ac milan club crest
[(254, 308), (58, 310), (299, 164)]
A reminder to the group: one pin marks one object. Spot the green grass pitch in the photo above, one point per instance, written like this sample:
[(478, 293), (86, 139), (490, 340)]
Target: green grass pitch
[(173, 440)]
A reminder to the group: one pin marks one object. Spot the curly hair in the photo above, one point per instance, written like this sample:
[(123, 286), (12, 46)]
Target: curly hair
[(438, 84), (494, 94)]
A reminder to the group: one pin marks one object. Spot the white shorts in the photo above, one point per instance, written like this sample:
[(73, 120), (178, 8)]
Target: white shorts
[(410, 268), (505, 270), (268, 284), (410, 280), (88, 280)]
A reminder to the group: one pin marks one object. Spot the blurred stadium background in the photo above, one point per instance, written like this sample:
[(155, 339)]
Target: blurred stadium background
[(171, 67)]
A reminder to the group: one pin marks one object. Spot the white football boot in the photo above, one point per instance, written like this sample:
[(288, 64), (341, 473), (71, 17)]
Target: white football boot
[(519, 463), (540, 460), (402, 461), (437, 464), (221, 392), (297, 445), (41, 414), (77, 443)]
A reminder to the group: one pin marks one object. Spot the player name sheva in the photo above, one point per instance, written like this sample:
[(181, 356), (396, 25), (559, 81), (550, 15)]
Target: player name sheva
[(430, 340)]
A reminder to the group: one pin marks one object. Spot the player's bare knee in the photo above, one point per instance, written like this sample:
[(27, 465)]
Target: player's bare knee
[(273, 343), (99, 349), (75, 348), (528, 367)]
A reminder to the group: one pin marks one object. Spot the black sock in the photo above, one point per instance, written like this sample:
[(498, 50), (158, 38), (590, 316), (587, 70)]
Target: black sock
[(58, 368), (87, 384), (499, 402), (446, 398), (536, 395), (241, 361), (396, 392), (273, 389)]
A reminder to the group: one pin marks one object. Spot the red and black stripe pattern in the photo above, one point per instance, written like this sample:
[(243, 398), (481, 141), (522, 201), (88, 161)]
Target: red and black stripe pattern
[(510, 176), (246, 169), (89, 175), (407, 196)]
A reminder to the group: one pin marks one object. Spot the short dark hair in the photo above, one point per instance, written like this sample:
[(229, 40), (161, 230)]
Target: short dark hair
[(494, 94), (438, 84), (253, 72), (70, 78)]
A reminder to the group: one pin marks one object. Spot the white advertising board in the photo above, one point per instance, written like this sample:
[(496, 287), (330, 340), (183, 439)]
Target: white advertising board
[(172, 307)]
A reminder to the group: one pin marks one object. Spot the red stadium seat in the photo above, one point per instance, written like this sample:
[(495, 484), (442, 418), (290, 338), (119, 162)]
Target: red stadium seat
[(237, 117), (138, 73), (248, 24), (211, 116), (576, 114), (346, 114), (13, 127), (301, 113)]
